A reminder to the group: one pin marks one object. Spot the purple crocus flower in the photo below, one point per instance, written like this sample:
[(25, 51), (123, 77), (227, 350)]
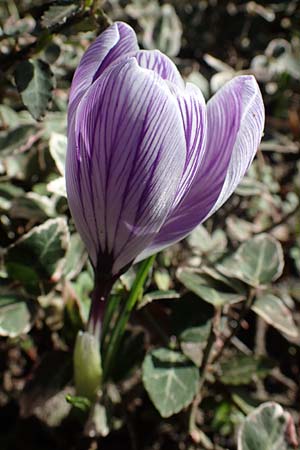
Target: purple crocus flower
[(147, 159)]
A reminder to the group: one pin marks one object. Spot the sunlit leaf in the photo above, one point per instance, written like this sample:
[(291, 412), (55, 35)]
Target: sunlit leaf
[(162, 279), (198, 284), (256, 262), (15, 315), (76, 257), (157, 295), (268, 427), (58, 150), (211, 245), (58, 14), (273, 310), (58, 187)]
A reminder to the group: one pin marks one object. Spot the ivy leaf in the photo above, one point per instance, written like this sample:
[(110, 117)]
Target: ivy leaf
[(157, 295), (34, 81), (170, 379), (58, 14), (58, 150), (256, 262), (199, 285), (212, 245), (273, 310), (35, 256), (268, 427), (15, 315), (76, 257), (58, 187), (15, 138), (242, 368)]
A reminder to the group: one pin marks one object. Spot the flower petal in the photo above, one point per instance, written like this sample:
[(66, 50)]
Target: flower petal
[(193, 112), (161, 64), (123, 168), (249, 135), (117, 40), (235, 124)]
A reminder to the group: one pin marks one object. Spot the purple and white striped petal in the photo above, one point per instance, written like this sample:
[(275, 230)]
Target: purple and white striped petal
[(122, 166), (161, 64), (116, 41), (249, 135), (192, 108), (235, 118)]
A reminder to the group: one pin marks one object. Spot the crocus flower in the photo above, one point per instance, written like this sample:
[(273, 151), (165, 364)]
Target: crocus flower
[(147, 159)]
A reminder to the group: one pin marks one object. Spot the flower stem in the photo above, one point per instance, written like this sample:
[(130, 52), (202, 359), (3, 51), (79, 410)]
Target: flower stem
[(99, 296), (119, 328)]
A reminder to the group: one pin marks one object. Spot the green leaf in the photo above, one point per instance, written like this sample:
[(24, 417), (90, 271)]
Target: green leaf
[(58, 14), (54, 122), (268, 427), (223, 419), (32, 206), (157, 295), (216, 279), (211, 245), (9, 192), (35, 256), (198, 284), (13, 139), (76, 257), (168, 31), (242, 369), (58, 187), (83, 287), (35, 82), (9, 118), (250, 186), (256, 262), (200, 81), (244, 399), (239, 229), (58, 150), (15, 315), (273, 310), (162, 279), (170, 379)]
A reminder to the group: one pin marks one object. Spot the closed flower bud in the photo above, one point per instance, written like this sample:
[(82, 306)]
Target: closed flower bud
[(147, 159)]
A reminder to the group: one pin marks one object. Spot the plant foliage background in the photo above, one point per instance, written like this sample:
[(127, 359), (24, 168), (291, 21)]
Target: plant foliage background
[(234, 281)]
